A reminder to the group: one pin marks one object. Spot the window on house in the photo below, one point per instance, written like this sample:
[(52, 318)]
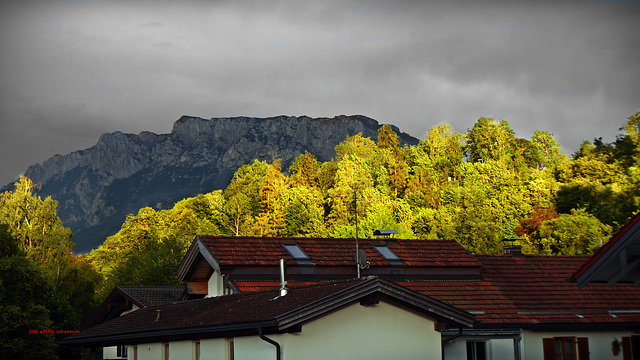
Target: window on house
[(388, 254), (196, 350), (297, 254), (121, 351), (565, 348), (476, 350), (135, 352), (631, 347)]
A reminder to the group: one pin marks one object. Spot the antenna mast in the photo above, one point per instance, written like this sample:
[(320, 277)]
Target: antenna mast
[(355, 203)]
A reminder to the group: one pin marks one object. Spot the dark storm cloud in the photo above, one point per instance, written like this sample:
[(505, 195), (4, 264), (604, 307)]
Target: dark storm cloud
[(73, 70)]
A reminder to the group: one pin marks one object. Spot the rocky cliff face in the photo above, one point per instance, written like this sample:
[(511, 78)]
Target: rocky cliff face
[(97, 187)]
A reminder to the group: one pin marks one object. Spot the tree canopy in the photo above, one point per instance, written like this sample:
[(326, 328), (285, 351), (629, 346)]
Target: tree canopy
[(476, 187), (43, 285)]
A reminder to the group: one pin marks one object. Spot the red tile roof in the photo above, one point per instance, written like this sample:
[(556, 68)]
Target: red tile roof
[(526, 290), (516, 291), (256, 251), (253, 286), (535, 290), (480, 298)]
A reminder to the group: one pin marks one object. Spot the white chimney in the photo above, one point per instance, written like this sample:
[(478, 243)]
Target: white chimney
[(283, 282)]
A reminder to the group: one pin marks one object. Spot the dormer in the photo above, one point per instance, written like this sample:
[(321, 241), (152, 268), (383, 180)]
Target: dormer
[(201, 272), (125, 299)]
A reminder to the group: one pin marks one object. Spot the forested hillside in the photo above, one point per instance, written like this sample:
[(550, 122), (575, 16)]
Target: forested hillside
[(476, 188), (122, 173)]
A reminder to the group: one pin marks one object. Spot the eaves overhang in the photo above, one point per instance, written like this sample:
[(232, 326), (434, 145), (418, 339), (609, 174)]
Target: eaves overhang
[(371, 286), (197, 249), (617, 261), (300, 311), (173, 334)]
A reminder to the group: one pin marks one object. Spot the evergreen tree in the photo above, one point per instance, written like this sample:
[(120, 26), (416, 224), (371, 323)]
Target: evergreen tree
[(305, 170), (270, 221)]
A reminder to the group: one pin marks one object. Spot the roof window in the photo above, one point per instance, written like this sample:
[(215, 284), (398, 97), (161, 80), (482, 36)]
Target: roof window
[(297, 254), (388, 254)]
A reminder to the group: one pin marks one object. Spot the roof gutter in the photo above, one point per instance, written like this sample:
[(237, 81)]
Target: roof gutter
[(270, 341), (161, 335)]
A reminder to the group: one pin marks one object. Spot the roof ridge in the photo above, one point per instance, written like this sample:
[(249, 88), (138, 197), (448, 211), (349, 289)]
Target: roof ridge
[(256, 293), (150, 286)]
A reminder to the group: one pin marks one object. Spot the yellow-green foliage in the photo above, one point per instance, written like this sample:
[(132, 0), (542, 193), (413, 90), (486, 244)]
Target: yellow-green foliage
[(476, 188), (43, 286), (150, 245)]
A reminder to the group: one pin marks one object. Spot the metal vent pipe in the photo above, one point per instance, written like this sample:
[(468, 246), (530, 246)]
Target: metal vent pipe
[(283, 282)]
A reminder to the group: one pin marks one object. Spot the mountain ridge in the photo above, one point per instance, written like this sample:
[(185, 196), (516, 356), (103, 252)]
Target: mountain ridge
[(97, 187)]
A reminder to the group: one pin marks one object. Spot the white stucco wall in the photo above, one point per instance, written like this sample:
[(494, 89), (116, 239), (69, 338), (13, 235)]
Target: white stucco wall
[(181, 350), (383, 331), (456, 349), (500, 349), (599, 343), (215, 285), (252, 347), (134, 307), (147, 352), (531, 346), (110, 352), (213, 349)]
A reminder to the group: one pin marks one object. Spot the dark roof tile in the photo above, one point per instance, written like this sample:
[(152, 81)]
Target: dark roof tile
[(210, 312), (154, 295), (247, 312)]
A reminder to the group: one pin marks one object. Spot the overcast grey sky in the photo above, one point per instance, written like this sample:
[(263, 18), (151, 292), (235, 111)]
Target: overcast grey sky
[(72, 70)]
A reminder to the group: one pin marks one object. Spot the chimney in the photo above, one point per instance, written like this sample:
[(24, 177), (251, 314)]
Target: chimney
[(511, 248), (283, 282)]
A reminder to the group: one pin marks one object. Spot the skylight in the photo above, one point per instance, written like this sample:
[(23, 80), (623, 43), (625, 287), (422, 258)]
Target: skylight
[(386, 252), (297, 254)]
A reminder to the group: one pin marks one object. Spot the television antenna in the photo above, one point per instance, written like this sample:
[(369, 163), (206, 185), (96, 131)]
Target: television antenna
[(355, 207)]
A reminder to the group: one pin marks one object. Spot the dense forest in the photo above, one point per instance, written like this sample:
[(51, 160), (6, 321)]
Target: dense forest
[(475, 188)]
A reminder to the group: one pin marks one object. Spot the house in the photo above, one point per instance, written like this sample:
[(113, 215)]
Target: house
[(618, 261), (360, 318), (522, 306), (125, 299), (553, 315)]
